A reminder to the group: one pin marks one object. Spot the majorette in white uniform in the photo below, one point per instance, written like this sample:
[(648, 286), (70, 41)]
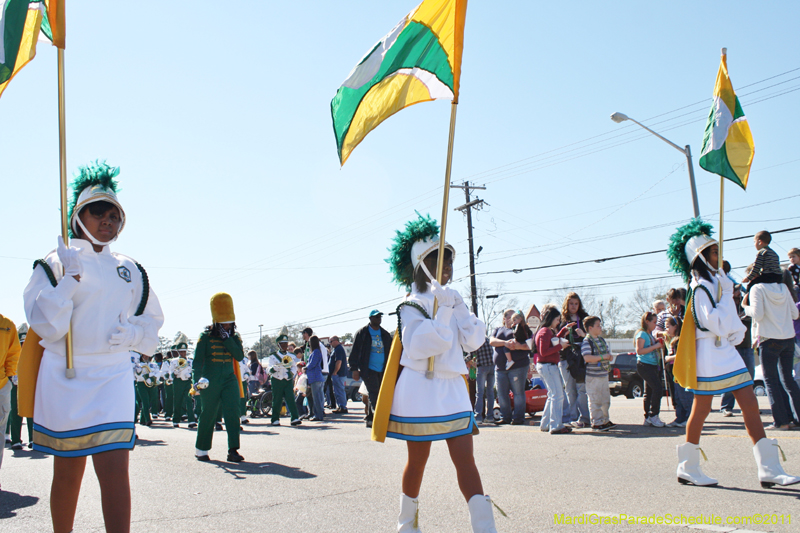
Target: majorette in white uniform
[(92, 412), (439, 408), (707, 362), (720, 369), (418, 407)]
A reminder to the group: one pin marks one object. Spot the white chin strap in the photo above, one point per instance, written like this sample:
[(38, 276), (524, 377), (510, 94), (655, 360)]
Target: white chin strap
[(704, 260), (88, 236), (425, 269)]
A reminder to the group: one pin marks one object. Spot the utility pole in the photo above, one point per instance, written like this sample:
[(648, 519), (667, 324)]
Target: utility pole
[(467, 207), (260, 341)]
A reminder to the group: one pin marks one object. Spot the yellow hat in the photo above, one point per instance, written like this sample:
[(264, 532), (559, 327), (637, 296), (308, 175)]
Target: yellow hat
[(222, 308)]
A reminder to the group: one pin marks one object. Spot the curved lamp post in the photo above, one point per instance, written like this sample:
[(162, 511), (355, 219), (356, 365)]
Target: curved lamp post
[(621, 117)]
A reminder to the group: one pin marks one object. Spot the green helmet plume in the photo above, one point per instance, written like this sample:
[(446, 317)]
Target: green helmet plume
[(676, 251), (96, 173), (423, 227)]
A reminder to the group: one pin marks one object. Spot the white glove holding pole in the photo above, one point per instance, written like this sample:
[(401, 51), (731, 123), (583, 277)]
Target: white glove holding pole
[(70, 258), (725, 282), (443, 295)]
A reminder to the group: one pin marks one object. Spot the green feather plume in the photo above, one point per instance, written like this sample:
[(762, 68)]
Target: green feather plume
[(676, 251), (95, 173), (423, 227)]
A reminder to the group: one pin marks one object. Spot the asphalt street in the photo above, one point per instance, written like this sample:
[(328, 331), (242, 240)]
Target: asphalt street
[(330, 477)]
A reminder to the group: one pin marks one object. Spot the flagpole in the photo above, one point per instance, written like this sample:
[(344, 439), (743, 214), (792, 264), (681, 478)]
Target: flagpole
[(719, 256), (445, 202), (62, 155)]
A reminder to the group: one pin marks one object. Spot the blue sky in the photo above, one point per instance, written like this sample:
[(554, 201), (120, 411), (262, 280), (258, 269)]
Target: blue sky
[(219, 119)]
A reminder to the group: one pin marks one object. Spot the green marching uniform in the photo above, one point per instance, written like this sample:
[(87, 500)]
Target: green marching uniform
[(146, 382), (282, 370), (182, 383), (166, 374), (216, 366)]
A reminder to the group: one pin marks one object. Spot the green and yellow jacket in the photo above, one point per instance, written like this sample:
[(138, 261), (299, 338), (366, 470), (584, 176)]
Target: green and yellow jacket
[(215, 359)]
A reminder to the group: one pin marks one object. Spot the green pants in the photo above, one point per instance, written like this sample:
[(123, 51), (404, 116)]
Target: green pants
[(155, 401), (144, 393), (222, 392), (283, 390), (181, 400), (168, 399), (15, 421)]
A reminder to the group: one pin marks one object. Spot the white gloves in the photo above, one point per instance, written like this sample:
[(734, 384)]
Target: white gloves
[(458, 299), (736, 337), (445, 296), (127, 335), (70, 258), (725, 282), (222, 332)]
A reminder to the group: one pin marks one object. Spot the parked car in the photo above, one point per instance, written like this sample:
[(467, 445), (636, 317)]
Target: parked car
[(622, 376)]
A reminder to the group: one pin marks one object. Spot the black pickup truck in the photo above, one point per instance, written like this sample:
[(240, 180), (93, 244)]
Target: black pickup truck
[(622, 376)]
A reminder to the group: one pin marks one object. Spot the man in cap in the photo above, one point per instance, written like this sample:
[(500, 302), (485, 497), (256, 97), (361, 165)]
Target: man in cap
[(282, 368), (338, 374), (368, 357)]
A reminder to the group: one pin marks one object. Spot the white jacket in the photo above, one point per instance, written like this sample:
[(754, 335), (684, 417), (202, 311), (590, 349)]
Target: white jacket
[(452, 332), (772, 309), (107, 295), (276, 367)]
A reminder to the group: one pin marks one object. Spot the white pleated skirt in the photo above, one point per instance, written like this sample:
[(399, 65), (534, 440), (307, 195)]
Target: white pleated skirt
[(91, 413), (430, 409), (720, 369)]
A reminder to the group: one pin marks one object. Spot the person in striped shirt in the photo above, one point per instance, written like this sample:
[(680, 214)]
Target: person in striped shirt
[(597, 356)]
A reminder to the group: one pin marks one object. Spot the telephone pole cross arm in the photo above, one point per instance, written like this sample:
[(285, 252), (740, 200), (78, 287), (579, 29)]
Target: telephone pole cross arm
[(467, 208)]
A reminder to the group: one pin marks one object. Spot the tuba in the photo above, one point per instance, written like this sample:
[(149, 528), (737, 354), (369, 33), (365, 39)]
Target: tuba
[(149, 378)]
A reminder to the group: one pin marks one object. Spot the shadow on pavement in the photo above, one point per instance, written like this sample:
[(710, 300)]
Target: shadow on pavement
[(144, 442), (241, 470), (30, 454), (11, 501), (792, 491)]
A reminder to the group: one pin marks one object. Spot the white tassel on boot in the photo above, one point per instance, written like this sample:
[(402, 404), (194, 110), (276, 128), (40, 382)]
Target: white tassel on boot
[(770, 471), (689, 466), (481, 515), (408, 521)]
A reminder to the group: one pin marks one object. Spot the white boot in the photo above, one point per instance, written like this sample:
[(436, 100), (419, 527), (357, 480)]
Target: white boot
[(480, 514), (408, 521), (770, 471), (689, 466)]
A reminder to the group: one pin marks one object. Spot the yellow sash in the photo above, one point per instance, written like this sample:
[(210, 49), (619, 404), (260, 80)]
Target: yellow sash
[(380, 419), (238, 372), (685, 368), (28, 372)]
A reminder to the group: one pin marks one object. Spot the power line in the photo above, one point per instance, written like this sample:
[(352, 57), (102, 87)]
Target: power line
[(613, 258)]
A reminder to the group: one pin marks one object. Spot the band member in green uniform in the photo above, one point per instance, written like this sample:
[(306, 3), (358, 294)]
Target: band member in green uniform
[(216, 370), (282, 370), (182, 382)]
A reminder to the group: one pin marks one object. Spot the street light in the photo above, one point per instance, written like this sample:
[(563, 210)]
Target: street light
[(621, 117), (260, 344)]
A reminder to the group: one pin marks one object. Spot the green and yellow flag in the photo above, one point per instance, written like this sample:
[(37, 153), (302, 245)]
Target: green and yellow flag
[(22, 24), (418, 61), (728, 144), (53, 25), (19, 30)]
